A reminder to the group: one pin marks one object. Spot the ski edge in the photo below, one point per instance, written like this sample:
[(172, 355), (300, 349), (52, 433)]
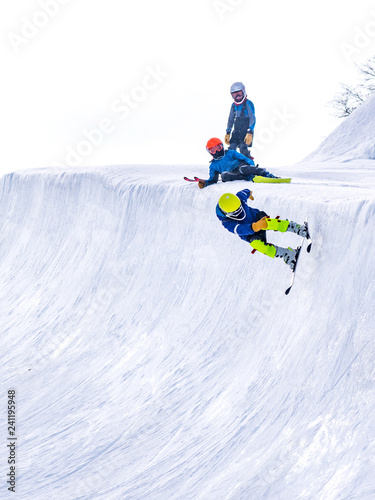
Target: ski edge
[(294, 269), (309, 240), (308, 249), (272, 180), (195, 179)]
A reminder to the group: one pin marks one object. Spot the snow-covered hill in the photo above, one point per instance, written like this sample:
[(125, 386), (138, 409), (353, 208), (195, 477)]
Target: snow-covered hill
[(154, 357), (354, 138)]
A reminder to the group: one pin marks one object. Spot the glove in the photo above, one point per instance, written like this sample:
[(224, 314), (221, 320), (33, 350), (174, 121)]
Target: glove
[(260, 224), (202, 184), (248, 138), (227, 139), (251, 195)]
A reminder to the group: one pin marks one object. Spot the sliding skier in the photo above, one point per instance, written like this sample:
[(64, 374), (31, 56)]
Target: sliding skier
[(231, 165), (251, 224)]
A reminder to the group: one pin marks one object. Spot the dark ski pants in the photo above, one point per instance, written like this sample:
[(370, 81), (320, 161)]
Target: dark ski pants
[(237, 141), (243, 173), (244, 150)]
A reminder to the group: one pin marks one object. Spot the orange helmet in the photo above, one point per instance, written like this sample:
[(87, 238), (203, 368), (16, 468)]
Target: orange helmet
[(215, 147)]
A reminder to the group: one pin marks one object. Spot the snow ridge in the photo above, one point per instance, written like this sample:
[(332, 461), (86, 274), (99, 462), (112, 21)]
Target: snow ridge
[(154, 357), (353, 139)]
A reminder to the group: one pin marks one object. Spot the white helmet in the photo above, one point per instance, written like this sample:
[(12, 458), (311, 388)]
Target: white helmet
[(238, 87)]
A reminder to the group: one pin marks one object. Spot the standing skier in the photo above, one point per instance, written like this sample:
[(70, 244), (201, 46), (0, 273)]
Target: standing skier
[(230, 164), (242, 117), (251, 224)]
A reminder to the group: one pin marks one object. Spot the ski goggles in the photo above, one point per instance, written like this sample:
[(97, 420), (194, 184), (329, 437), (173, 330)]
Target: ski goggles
[(238, 214), (215, 149), (237, 93)]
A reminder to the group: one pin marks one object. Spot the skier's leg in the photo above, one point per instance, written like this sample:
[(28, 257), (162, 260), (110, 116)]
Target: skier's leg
[(285, 225), (233, 175), (247, 170), (254, 170), (288, 254), (235, 139), (244, 172), (259, 241), (262, 247), (244, 149), (299, 229), (277, 225)]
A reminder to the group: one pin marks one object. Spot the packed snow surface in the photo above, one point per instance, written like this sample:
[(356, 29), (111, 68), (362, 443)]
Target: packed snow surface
[(354, 138), (154, 357)]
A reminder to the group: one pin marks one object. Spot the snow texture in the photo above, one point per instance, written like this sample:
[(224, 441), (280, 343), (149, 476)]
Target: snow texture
[(154, 357), (354, 138)]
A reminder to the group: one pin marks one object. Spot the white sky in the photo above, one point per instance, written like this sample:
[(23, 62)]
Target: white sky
[(155, 76)]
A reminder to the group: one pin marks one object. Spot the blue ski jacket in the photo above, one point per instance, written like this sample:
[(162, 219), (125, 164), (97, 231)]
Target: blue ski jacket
[(242, 228), (230, 161), (236, 112)]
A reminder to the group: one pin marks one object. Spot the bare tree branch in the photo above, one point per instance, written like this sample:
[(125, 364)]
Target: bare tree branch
[(345, 102)]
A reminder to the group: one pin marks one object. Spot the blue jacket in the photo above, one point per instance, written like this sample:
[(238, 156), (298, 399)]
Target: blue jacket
[(230, 161), (235, 113), (242, 228)]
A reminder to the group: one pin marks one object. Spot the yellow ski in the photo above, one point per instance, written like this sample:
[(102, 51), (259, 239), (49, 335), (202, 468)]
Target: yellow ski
[(276, 180)]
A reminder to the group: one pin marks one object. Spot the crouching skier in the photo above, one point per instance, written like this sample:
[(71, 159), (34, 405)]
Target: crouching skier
[(231, 165), (251, 225)]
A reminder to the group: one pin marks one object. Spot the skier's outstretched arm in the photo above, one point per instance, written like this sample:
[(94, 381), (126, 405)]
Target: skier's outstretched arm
[(214, 177), (245, 194)]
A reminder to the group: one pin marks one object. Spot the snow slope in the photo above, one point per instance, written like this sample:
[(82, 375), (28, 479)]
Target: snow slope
[(353, 138), (155, 358)]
